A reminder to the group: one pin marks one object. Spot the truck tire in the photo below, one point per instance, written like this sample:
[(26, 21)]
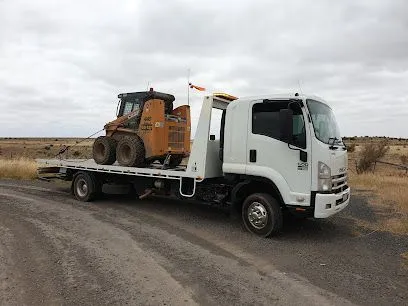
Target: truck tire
[(86, 186), (104, 150), (130, 152), (262, 215)]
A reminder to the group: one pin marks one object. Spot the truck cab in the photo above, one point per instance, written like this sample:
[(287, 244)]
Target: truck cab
[(295, 143), (286, 148)]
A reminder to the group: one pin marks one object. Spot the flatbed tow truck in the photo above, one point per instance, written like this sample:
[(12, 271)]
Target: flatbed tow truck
[(275, 154)]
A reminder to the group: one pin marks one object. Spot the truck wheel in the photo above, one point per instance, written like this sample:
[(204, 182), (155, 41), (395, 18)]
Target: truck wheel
[(104, 150), (130, 151), (262, 214), (86, 187)]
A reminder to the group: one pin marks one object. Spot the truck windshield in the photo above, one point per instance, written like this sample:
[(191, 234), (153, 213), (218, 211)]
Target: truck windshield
[(324, 122)]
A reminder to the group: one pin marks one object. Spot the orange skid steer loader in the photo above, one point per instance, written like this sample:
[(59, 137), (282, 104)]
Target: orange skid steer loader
[(147, 129)]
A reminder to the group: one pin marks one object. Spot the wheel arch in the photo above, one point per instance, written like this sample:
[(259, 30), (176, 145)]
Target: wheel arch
[(251, 185)]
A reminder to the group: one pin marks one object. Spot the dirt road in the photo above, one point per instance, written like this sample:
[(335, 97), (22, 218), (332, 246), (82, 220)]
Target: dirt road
[(55, 250)]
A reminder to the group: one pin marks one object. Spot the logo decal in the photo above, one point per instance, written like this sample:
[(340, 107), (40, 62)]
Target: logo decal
[(302, 166)]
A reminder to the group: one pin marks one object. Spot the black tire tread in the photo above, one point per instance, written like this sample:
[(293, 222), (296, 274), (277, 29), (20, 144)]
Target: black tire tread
[(110, 146), (274, 211), (136, 145), (94, 186)]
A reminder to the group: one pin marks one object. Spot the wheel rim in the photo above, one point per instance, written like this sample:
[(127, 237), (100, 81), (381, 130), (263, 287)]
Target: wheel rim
[(257, 215), (82, 188)]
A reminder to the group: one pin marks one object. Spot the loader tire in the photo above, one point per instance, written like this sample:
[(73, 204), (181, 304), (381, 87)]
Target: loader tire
[(104, 150), (130, 152)]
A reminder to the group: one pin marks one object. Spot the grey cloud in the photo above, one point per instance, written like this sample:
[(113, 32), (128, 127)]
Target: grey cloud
[(62, 64)]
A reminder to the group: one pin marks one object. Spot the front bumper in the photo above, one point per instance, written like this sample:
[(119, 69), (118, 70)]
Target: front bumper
[(327, 205)]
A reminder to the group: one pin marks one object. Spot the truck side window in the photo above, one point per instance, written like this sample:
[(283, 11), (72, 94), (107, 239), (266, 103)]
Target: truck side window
[(265, 121)]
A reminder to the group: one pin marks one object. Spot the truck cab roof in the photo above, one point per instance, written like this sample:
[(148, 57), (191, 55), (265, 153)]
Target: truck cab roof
[(279, 97)]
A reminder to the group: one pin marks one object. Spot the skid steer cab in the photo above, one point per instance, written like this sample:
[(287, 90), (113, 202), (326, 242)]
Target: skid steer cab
[(147, 129)]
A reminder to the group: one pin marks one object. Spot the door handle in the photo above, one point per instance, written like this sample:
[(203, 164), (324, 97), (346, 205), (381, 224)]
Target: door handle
[(252, 156)]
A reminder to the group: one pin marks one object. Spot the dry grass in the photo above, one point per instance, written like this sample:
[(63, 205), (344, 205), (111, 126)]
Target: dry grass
[(369, 154), (21, 168), (44, 147), (391, 190), (387, 187)]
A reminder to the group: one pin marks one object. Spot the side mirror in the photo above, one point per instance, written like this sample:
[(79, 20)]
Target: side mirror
[(286, 125)]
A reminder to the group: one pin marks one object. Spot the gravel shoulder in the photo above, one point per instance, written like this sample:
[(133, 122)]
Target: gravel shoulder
[(55, 250)]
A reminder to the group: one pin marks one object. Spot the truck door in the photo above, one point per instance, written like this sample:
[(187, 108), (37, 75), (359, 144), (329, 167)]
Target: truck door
[(267, 154)]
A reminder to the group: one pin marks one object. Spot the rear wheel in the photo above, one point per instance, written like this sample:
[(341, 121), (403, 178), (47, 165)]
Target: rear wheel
[(104, 150), (86, 186), (262, 214), (130, 152)]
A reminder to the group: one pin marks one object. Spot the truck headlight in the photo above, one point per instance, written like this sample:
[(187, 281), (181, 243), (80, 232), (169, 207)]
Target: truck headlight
[(324, 177)]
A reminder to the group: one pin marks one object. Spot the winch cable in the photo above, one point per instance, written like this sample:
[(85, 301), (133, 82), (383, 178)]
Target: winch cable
[(130, 116), (63, 150)]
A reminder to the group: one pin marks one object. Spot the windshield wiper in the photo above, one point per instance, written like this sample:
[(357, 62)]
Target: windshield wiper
[(333, 142)]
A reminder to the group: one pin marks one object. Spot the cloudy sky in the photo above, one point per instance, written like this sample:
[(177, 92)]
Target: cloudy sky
[(62, 63)]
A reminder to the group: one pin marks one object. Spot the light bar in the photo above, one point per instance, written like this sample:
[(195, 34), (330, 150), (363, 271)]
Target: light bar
[(224, 96)]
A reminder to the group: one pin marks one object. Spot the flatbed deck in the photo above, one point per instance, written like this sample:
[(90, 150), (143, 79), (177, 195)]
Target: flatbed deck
[(203, 162), (153, 170)]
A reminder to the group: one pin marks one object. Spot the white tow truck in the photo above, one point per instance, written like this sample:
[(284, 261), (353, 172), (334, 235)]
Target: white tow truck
[(275, 154)]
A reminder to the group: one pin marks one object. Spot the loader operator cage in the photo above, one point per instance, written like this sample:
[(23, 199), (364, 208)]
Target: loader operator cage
[(130, 102)]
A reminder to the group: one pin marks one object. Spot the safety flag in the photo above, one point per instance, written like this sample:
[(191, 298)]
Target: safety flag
[(196, 87)]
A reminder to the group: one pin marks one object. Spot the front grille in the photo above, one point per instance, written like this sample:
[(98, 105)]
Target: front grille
[(176, 137), (339, 183)]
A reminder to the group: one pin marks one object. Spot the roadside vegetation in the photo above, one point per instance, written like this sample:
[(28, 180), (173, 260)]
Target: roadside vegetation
[(390, 198), (18, 168), (17, 155), (45, 147), (385, 185)]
